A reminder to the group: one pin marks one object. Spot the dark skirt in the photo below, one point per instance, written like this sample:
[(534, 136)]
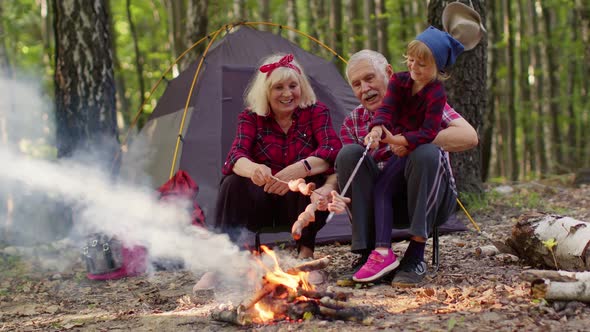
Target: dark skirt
[(243, 205)]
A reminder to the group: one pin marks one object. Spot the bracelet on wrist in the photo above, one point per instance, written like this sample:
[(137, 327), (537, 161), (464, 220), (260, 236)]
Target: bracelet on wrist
[(306, 165)]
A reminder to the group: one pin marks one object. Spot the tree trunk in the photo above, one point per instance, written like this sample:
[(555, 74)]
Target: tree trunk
[(239, 10), (541, 137), (292, 20), (46, 33), (84, 79), (574, 120), (553, 86), (356, 29), (370, 25), (176, 18), (382, 25), (510, 91), (583, 7), (265, 13), (490, 116), (466, 91), (336, 27), (138, 58), (196, 28), (532, 234), (124, 112)]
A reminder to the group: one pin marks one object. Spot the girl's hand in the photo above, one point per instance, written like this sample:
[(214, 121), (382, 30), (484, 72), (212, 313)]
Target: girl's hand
[(374, 137), (261, 175), (338, 204), (399, 150)]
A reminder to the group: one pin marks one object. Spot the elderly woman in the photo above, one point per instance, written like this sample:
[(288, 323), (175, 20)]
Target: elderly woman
[(284, 134)]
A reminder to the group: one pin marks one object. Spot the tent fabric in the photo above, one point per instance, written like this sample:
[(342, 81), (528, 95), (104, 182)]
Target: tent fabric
[(217, 99)]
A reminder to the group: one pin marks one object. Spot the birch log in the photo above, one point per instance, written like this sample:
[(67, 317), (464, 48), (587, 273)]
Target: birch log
[(572, 237), (561, 291)]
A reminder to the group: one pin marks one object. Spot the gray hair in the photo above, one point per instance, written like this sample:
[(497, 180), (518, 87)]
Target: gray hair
[(377, 59), (256, 95)]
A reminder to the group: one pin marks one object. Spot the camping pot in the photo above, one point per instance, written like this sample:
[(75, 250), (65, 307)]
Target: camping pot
[(102, 254)]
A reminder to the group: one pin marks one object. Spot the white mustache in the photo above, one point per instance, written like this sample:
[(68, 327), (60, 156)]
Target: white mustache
[(370, 94)]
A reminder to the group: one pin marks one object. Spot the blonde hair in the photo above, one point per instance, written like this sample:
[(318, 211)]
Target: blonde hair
[(422, 52), (375, 58), (256, 95)]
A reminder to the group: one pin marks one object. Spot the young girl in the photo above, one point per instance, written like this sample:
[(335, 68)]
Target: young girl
[(410, 116)]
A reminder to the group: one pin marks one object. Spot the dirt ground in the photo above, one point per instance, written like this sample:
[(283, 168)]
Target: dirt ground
[(468, 293)]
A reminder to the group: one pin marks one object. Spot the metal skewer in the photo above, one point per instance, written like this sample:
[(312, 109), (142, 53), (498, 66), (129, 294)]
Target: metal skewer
[(354, 171)]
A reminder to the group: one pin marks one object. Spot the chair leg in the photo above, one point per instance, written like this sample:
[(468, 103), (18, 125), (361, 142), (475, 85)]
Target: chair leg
[(435, 249), (257, 242)]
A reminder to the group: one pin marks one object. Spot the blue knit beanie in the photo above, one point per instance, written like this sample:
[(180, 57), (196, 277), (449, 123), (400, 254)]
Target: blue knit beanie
[(444, 48)]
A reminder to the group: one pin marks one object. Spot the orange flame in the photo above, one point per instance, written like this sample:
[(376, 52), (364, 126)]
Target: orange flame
[(263, 314), (278, 276)]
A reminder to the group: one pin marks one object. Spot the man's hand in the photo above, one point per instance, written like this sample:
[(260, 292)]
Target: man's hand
[(338, 204), (261, 175), (374, 137)]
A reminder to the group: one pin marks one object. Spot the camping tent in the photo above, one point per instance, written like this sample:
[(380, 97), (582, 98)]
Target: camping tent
[(217, 99)]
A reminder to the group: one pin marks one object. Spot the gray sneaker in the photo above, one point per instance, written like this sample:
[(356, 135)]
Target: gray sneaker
[(410, 273)]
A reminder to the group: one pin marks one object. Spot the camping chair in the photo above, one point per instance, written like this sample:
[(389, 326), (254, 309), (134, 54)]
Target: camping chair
[(269, 229)]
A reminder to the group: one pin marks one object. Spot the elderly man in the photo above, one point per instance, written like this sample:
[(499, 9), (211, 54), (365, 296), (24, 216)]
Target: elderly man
[(429, 194)]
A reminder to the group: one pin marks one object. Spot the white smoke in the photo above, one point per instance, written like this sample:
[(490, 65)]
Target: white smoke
[(131, 212)]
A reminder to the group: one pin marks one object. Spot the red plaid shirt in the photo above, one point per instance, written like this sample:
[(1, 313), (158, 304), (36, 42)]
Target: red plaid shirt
[(261, 139), (416, 117), (356, 126)]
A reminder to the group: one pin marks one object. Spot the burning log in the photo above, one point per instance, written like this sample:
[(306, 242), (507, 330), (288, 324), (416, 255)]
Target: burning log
[(312, 294), (266, 289), (326, 301), (346, 314), (314, 265), (569, 238), (561, 291), (230, 316)]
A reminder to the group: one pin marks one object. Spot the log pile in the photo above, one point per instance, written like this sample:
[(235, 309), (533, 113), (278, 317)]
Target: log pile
[(287, 303)]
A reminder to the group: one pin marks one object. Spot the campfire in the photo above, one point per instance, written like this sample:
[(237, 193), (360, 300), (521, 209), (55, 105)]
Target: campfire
[(287, 295)]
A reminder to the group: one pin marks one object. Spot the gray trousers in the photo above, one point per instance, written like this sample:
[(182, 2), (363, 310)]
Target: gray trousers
[(428, 199)]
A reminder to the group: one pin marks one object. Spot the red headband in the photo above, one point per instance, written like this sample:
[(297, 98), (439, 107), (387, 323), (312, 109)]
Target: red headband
[(284, 62)]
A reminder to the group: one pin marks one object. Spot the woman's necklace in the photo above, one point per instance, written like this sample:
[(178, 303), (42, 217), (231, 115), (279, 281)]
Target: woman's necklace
[(285, 125)]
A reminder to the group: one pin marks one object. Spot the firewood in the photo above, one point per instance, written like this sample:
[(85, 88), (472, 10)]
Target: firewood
[(266, 289), (561, 291), (230, 316), (563, 276), (572, 237), (314, 294), (346, 314), (335, 304), (316, 264), (485, 251)]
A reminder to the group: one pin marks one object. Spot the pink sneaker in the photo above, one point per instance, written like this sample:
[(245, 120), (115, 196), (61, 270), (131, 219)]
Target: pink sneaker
[(376, 266)]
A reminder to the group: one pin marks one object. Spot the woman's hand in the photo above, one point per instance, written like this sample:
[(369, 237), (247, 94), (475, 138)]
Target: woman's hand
[(261, 175), (338, 204), (374, 137), (291, 172)]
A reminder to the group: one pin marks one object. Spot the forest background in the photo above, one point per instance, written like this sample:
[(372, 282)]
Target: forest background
[(527, 95)]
